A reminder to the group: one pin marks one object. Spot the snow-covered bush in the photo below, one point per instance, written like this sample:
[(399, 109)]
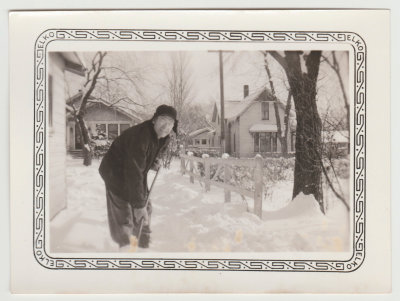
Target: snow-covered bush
[(100, 147), (274, 170)]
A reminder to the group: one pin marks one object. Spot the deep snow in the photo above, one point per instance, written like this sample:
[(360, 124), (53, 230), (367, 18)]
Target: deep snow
[(188, 219)]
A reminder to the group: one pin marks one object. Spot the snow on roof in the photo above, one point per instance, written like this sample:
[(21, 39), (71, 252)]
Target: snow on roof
[(74, 62), (77, 98), (234, 108), (121, 109), (201, 131), (335, 136), (260, 127)]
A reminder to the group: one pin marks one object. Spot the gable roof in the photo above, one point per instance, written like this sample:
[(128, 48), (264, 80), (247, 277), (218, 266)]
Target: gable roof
[(77, 98), (235, 108), (201, 131), (73, 62)]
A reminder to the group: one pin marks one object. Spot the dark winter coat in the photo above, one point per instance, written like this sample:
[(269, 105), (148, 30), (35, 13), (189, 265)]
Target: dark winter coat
[(124, 167)]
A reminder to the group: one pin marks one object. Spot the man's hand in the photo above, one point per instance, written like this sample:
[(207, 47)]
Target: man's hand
[(140, 213)]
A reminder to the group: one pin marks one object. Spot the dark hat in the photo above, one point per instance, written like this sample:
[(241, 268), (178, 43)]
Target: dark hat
[(165, 110), (168, 111)]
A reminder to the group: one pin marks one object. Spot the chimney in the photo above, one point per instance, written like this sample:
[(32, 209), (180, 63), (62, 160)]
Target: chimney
[(245, 91)]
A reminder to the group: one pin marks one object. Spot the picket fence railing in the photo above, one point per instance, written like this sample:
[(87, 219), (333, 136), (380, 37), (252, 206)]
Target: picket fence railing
[(225, 165)]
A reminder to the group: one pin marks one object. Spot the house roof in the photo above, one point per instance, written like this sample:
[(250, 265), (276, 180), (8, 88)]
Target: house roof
[(76, 100), (74, 62), (235, 108), (261, 127), (201, 131)]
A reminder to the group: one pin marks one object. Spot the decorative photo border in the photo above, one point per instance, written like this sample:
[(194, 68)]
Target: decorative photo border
[(39, 151)]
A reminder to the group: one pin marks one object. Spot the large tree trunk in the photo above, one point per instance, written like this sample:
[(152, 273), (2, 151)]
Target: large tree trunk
[(286, 123), (307, 171)]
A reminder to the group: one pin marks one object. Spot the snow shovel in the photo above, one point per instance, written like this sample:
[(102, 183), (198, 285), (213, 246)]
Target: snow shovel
[(139, 233)]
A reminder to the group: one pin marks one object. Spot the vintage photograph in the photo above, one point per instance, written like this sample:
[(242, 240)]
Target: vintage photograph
[(199, 151), (211, 151)]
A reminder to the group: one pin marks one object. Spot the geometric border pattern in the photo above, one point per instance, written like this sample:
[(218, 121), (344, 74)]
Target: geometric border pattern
[(359, 139)]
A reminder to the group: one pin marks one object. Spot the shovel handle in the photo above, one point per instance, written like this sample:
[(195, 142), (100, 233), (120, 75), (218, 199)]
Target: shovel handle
[(147, 202), (140, 228)]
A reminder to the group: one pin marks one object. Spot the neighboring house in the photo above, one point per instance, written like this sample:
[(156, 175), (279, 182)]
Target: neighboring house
[(104, 122), (202, 138), (337, 143), (250, 125), (59, 65)]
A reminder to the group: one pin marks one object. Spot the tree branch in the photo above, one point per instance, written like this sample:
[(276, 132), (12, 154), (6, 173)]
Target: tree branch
[(279, 58)]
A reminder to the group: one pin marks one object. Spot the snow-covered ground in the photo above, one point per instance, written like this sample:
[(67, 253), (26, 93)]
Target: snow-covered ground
[(187, 219)]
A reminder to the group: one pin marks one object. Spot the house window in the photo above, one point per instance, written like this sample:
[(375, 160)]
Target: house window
[(112, 131), (274, 142), (204, 141), (50, 100), (100, 131), (265, 110), (123, 127), (265, 142), (256, 142)]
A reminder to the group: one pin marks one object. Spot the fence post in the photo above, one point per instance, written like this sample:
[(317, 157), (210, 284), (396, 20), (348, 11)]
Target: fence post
[(258, 183), (207, 173), (183, 168), (191, 171), (227, 177)]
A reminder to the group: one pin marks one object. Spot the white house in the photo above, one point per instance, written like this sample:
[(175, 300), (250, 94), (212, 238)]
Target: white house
[(59, 65), (104, 122), (251, 125)]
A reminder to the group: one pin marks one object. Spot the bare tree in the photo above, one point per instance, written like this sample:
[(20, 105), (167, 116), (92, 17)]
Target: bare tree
[(115, 82), (179, 81), (303, 85), (334, 64), (331, 152), (282, 133), (92, 76), (122, 83)]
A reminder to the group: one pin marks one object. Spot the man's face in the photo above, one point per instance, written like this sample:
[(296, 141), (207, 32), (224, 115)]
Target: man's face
[(163, 125)]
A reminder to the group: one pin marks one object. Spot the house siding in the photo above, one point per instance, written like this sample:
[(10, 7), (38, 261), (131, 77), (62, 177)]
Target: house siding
[(234, 141), (96, 114), (57, 137), (239, 133), (107, 114), (253, 116)]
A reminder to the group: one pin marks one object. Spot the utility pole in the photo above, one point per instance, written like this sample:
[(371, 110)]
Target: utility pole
[(221, 86)]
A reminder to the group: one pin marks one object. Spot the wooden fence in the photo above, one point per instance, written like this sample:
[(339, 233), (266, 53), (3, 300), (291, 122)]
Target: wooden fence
[(226, 164)]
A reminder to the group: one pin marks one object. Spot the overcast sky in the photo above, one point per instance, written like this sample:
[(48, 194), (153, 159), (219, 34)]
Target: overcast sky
[(240, 68)]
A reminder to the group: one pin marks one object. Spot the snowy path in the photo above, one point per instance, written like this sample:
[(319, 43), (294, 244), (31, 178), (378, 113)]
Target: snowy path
[(185, 218)]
